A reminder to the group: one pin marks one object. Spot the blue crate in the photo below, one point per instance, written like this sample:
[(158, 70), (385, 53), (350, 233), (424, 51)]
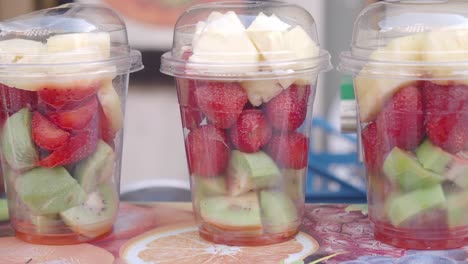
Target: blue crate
[(324, 182)]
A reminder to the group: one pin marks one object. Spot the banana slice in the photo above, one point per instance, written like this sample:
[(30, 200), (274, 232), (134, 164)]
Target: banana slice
[(222, 39), (110, 102), (373, 92), (20, 51), (91, 46), (261, 91)]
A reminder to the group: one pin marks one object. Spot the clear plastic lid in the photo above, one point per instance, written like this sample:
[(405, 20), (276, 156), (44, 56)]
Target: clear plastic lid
[(424, 39), (249, 39), (64, 42)]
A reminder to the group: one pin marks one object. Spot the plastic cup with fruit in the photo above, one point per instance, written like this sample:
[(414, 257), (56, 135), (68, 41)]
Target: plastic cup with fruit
[(246, 77), (63, 77), (412, 94)]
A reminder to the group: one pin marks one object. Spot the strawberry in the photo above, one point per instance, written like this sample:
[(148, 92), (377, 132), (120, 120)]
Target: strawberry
[(207, 151), (12, 100), (289, 150), (288, 110), (375, 148), (79, 146), (251, 131), (401, 122), (221, 102), (58, 97), (446, 115), (47, 135), (75, 119), (191, 116)]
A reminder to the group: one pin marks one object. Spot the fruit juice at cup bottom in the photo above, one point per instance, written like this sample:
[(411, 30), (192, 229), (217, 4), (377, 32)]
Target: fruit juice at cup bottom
[(246, 89), (61, 118)]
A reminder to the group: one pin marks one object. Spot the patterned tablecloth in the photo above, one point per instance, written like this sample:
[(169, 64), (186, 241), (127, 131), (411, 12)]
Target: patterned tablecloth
[(339, 234)]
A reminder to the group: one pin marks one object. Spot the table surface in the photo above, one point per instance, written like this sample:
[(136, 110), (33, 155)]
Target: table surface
[(166, 233)]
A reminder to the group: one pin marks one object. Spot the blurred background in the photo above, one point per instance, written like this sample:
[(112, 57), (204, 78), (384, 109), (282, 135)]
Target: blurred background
[(154, 150)]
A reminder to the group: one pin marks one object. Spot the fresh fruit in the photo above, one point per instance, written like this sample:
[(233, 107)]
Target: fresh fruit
[(96, 215), (401, 207), (110, 102), (97, 42), (12, 100), (4, 216), (75, 119), (221, 102), (209, 186), (251, 131), (47, 135), (401, 122), (240, 213), (288, 110), (279, 214), (18, 50), (433, 158), (289, 150), (191, 115), (207, 151), (96, 169), (58, 97), (372, 92), (261, 91), (46, 224), (49, 191), (457, 215), (375, 149), (17, 142), (403, 168), (222, 38), (445, 115), (159, 245), (78, 147), (251, 171), (294, 184)]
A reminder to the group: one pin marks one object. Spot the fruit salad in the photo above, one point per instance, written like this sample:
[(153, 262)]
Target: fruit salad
[(415, 134), (247, 140), (60, 139)]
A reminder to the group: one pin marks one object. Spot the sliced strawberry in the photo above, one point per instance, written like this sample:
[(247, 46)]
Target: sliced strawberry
[(75, 119), (12, 100), (289, 150), (288, 110), (446, 115), (58, 97), (190, 114), (47, 135), (221, 102), (79, 146), (251, 131), (375, 148), (207, 151), (401, 122)]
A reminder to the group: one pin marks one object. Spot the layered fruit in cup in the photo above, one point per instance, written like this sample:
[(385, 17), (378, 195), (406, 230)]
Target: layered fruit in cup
[(413, 105), (246, 137), (61, 118)]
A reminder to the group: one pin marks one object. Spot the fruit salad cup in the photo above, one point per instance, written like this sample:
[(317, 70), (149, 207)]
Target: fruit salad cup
[(246, 85), (412, 92), (61, 115)]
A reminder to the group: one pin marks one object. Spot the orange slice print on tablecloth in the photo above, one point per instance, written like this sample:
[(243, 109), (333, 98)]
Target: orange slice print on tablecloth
[(13, 250), (182, 244)]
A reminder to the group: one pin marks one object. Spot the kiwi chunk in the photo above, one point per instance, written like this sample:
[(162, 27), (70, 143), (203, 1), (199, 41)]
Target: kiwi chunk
[(402, 167), (96, 215), (251, 171), (401, 207), (279, 214), (457, 210), (433, 158), (4, 210), (46, 224), (294, 184), (49, 191), (97, 168), (232, 213), (17, 143)]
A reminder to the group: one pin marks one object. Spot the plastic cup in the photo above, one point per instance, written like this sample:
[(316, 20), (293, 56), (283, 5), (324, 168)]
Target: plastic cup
[(246, 113), (410, 82), (63, 82)]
